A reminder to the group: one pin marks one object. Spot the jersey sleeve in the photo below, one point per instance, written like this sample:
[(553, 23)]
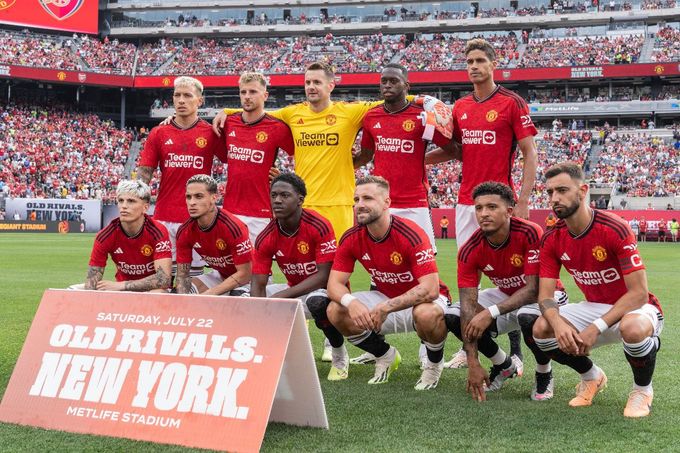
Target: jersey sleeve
[(439, 139), (344, 258), (357, 110), (242, 249), (367, 139), (326, 247), (468, 274), (184, 246), (627, 252), (284, 113), (262, 257), (522, 125), (220, 145), (422, 259), (532, 253), (548, 261), (99, 253), (150, 155), (286, 142), (457, 136), (162, 248)]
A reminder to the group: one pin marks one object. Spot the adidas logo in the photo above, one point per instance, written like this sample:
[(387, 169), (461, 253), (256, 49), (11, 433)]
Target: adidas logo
[(377, 126), (118, 251), (464, 117), (366, 257), (168, 142), (197, 245), (232, 134), (488, 268), (300, 121), (565, 257), (279, 253)]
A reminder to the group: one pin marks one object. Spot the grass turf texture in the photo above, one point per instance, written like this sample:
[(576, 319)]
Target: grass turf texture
[(390, 417)]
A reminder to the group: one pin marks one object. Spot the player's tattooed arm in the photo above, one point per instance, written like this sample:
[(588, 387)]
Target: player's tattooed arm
[(547, 304), (160, 280), (183, 279), (94, 275), (145, 173), (413, 296), (524, 296), (468, 309)]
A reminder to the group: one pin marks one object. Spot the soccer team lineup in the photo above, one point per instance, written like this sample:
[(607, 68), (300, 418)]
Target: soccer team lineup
[(317, 222)]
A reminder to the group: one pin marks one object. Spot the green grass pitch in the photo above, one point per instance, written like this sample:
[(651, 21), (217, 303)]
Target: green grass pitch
[(391, 417)]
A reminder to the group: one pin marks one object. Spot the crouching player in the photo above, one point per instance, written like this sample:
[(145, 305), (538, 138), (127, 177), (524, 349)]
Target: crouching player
[(399, 257), (137, 244), (218, 237), (599, 250), (505, 249), (303, 244)]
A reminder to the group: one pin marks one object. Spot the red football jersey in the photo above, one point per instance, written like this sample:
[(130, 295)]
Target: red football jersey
[(597, 259), (489, 131), (395, 262), (299, 254), (180, 154), (505, 265), (251, 151), (134, 256), (222, 246), (396, 139)]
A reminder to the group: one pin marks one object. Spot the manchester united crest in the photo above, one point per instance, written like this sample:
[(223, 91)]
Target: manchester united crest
[(147, 250), (303, 247), (659, 69), (61, 75), (5, 4), (61, 9), (491, 116), (201, 142), (599, 253), (166, 81), (408, 125), (516, 260), (261, 137), (220, 244), (396, 258), (331, 119)]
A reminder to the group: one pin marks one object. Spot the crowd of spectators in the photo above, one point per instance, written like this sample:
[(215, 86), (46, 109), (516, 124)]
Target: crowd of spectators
[(43, 51), (582, 51), (640, 164), (666, 45), (657, 4), (152, 56), (107, 56), (52, 152), (593, 94)]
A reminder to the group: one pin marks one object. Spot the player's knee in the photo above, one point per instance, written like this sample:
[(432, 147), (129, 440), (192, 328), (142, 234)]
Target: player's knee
[(427, 316), (453, 324), (317, 306), (634, 328), (526, 321), (541, 328)]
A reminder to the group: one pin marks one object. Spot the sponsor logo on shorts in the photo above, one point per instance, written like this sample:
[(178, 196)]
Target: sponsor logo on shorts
[(396, 258), (599, 253)]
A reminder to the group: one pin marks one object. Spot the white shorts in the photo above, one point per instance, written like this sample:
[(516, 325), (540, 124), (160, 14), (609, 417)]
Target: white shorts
[(506, 322), (399, 321), (466, 223), (583, 314), (214, 278), (255, 225), (196, 260), (276, 287), (422, 217)]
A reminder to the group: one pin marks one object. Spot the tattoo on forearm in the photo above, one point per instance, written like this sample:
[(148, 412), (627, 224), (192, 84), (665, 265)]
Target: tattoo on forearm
[(94, 276), (468, 310), (157, 281), (145, 174), (547, 304), (413, 296), (183, 279)]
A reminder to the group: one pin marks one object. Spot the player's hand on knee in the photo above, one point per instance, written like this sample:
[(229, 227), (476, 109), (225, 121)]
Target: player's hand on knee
[(378, 316), (477, 378), (588, 337), (476, 327), (218, 123), (567, 338), (360, 315), (167, 121)]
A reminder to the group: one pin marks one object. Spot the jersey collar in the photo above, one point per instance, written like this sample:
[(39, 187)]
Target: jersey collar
[(479, 101), (588, 228), (385, 236), (174, 123)]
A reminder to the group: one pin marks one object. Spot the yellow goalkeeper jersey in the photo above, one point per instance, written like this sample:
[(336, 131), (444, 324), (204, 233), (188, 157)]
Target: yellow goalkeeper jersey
[(323, 148)]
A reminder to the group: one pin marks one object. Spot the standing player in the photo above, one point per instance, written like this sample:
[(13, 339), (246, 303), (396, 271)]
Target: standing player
[(324, 133), (410, 296), (505, 249), (218, 237), (181, 149), (490, 123), (643, 230), (444, 225), (662, 231), (303, 245), (138, 245), (599, 250), (253, 139), (675, 226)]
